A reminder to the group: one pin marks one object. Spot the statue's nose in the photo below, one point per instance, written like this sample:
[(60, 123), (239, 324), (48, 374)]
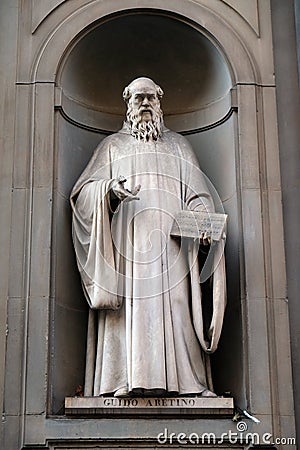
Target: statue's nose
[(145, 102)]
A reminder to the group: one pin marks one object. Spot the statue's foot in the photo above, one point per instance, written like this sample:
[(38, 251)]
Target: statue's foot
[(122, 392), (207, 393)]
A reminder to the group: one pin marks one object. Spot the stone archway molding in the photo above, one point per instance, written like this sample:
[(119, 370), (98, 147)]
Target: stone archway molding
[(70, 30)]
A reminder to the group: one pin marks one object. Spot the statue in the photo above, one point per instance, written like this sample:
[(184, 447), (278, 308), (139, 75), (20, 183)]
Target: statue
[(147, 333)]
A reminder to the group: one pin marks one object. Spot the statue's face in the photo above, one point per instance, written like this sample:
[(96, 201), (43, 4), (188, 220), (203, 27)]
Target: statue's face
[(144, 116), (144, 103)]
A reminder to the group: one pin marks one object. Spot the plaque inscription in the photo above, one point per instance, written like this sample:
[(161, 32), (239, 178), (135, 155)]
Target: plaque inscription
[(193, 224), (101, 406)]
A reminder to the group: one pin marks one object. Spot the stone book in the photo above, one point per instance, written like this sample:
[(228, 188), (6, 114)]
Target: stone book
[(192, 224)]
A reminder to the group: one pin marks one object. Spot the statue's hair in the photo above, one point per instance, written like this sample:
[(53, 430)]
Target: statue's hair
[(127, 93)]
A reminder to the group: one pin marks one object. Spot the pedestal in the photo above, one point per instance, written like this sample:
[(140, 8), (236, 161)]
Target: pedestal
[(149, 406)]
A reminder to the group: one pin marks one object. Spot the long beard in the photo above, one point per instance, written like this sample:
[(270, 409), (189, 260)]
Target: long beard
[(142, 130)]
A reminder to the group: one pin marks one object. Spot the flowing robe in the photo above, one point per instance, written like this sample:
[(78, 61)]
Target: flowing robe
[(145, 327)]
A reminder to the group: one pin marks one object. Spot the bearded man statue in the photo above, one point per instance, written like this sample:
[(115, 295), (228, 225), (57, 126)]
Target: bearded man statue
[(147, 331)]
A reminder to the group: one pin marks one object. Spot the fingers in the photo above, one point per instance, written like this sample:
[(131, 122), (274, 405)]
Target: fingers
[(122, 193), (136, 189), (129, 198), (205, 239)]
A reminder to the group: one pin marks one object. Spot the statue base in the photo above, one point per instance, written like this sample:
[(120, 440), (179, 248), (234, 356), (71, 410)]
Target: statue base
[(149, 406)]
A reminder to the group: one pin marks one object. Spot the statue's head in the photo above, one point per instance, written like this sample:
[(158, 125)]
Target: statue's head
[(144, 115)]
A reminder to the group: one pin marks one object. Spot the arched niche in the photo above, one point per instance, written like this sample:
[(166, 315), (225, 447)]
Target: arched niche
[(151, 44), (197, 82)]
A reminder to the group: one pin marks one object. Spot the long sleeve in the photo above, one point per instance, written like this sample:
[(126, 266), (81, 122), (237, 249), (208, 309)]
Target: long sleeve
[(94, 247)]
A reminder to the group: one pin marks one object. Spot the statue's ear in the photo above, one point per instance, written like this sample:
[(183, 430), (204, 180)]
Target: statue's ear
[(159, 91), (126, 94)]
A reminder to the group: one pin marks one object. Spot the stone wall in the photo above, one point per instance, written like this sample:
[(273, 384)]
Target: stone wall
[(48, 135)]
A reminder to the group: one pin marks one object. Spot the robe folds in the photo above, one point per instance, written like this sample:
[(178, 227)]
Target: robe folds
[(146, 329)]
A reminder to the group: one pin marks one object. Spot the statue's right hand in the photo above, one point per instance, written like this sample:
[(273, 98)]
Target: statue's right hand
[(120, 192)]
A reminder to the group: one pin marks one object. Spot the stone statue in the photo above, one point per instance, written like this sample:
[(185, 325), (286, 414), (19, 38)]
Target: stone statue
[(147, 333)]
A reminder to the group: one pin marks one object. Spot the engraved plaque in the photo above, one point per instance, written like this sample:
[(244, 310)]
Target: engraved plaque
[(149, 406), (193, 223)]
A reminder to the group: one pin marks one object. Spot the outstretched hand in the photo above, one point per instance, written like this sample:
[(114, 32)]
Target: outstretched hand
[(119, 191)]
